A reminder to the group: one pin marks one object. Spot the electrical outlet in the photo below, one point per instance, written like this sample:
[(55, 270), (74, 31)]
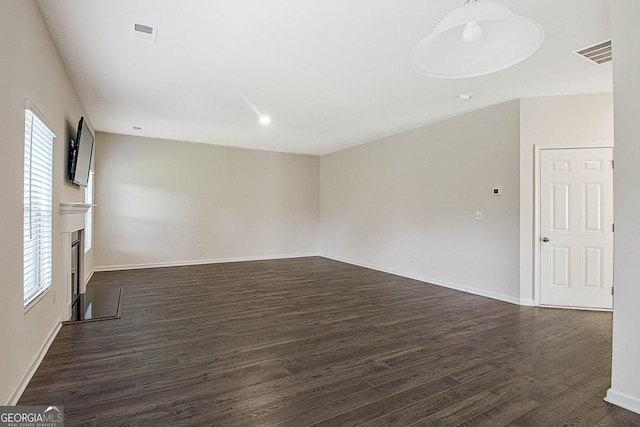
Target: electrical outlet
[(54, 295), (477, 215), (198, 247)]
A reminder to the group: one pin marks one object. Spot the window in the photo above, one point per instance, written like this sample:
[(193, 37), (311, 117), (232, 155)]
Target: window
[(38, 204), (88, 229)]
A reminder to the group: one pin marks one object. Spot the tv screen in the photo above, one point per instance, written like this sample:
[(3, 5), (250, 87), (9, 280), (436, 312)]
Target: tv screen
[(80, 153)]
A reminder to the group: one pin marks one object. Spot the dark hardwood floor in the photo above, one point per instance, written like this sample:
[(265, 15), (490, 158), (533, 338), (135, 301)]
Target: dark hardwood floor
[(312, 341)]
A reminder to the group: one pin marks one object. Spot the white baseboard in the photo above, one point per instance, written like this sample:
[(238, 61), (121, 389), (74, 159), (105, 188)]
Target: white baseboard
[(462, 288), (527, 302), (623, 400), (457, 287), (200, 262), (33, 366)]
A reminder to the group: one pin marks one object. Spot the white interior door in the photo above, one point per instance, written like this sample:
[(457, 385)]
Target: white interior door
[(576, 227)]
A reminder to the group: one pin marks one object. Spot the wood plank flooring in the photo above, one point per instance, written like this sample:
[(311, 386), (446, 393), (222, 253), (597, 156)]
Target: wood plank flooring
[(312, 341)]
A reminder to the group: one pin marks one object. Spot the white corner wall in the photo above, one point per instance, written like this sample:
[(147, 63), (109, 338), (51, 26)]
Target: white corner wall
[(164, 202), (31, 68), (567, 121), (405, 204), (625, 372)]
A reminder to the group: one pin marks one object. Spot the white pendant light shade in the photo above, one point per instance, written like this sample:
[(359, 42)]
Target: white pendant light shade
[(478, 38)]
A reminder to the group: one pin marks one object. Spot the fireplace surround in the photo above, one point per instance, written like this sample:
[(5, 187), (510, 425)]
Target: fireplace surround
[(72, 228)]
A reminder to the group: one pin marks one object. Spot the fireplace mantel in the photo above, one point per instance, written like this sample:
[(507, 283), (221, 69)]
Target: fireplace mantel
[(73, 215), (68, 208)]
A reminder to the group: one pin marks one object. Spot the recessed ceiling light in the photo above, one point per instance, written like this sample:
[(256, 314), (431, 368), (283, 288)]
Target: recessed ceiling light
[(265, 120), (464, 96)]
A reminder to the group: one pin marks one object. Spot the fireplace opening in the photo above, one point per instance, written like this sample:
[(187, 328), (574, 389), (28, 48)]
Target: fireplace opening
[(76, 304)]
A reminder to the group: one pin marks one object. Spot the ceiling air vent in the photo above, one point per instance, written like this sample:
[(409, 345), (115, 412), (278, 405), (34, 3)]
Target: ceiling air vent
[(144, 32), (598, 53)]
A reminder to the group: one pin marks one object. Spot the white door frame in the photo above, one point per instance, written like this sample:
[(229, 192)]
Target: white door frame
[(536, 214)]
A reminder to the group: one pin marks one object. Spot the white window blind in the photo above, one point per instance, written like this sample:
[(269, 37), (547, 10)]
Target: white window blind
[(88, 230), (38, 206)]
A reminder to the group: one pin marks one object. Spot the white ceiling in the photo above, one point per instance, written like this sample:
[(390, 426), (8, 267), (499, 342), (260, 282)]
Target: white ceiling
[(330, 73)]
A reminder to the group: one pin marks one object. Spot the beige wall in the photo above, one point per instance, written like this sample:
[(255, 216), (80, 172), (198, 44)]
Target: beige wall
[(625, 374), (31, 68), (165, 202), (405, 204), (553, 122)]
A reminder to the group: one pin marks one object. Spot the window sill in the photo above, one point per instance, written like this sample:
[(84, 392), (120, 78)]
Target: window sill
[(37, 299)]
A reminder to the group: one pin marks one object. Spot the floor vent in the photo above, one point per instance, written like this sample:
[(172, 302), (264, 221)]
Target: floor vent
[(144, 32), (599, 53)]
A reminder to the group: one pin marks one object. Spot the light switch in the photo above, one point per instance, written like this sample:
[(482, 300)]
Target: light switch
[(477, 215), (497, 191)]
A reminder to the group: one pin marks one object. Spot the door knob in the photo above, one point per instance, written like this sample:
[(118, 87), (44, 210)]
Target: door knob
[(545, 239)]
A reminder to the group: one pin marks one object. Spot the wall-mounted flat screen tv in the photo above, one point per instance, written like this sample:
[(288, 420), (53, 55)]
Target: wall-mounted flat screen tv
[(80, 152)]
